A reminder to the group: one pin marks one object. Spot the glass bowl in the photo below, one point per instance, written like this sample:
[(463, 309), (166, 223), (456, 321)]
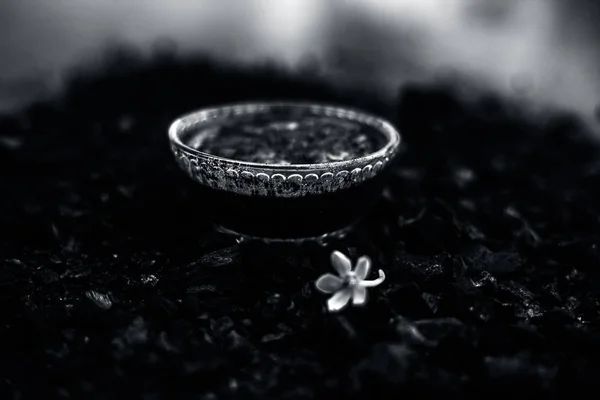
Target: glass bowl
[(284, 171)]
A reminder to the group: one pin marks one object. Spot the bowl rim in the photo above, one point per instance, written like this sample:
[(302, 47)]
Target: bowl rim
[(181, 124)]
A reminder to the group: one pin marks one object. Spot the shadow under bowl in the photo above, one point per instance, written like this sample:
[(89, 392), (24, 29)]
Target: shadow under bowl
[(285, 171)]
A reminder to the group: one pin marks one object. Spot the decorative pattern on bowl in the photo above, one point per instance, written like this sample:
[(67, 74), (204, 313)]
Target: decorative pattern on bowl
[(288, 181)]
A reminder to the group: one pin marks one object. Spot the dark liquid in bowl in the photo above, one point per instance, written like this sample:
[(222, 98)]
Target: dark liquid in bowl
[(287, 140)]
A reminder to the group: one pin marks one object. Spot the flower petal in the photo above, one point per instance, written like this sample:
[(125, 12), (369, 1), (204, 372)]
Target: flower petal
[(359, 295), (341, 263), (375, 282), (363, 266), (339, 300), (329, 283)]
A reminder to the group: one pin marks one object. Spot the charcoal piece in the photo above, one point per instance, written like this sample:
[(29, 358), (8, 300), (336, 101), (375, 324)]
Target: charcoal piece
[(501, 262)]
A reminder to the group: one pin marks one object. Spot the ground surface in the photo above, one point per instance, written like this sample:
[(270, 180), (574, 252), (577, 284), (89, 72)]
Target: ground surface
[(112, 284)]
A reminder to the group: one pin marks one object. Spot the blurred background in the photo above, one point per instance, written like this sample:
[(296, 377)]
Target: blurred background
[(544, 52)]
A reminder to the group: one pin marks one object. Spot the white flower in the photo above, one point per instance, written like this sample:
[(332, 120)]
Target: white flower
[(349, 284)]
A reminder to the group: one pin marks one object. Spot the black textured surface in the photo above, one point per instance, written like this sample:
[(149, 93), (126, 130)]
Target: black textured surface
[(288, 138), (113, 286)]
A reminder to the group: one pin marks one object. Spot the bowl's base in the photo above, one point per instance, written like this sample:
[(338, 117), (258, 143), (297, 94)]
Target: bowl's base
[(337, 234)]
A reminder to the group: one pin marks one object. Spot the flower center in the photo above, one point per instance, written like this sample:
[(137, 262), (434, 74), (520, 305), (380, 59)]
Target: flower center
[(351, 279)]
